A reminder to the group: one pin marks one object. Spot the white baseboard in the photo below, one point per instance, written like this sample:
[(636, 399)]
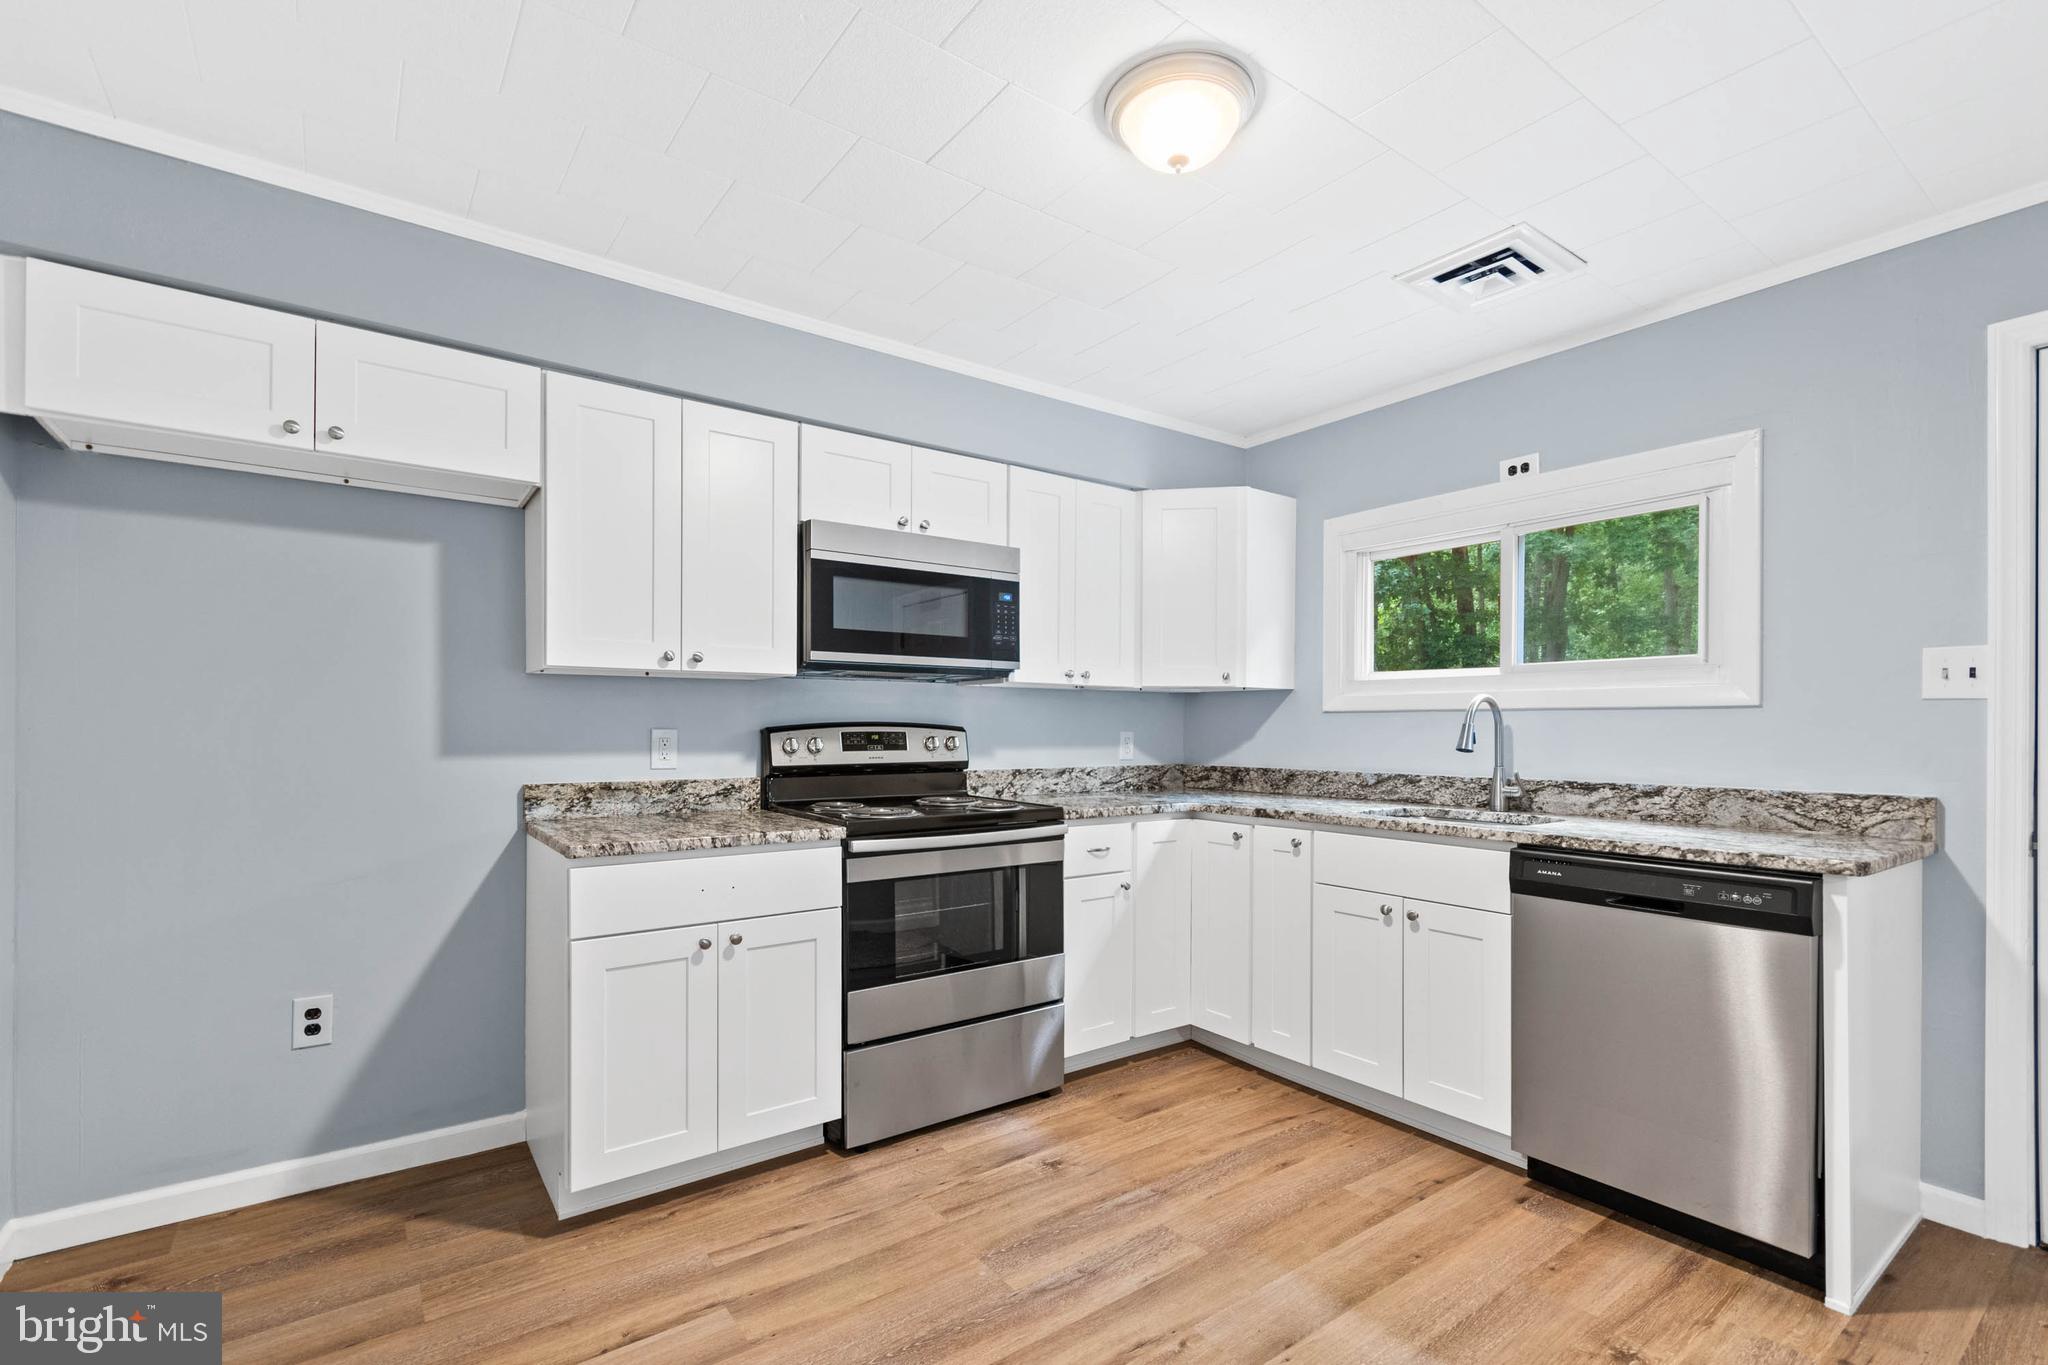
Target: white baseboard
[(35, 1233), (1964, 1212), (6, 1248), (688, 1172), (1129, 1047)]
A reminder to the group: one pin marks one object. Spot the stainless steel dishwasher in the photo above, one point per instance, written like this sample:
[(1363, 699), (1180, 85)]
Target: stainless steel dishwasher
[(1667, 1046)]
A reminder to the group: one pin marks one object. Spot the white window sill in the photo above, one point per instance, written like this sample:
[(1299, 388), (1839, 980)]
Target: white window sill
[(1540, 695)]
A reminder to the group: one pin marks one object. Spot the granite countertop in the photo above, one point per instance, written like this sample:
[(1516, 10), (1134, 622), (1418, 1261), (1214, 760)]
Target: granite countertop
[(1839, 854), (616, 834)]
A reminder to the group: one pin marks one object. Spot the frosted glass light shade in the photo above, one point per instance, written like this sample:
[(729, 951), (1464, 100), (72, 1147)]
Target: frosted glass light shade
[(1178, 112)]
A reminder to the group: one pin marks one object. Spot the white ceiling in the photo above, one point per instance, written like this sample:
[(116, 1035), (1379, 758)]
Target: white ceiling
[(930, 173)]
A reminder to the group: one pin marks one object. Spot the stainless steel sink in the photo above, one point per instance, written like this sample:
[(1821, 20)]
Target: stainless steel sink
[(1463, 815)]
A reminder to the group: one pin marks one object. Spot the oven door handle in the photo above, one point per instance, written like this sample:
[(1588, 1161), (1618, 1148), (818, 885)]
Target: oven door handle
[(916, 842), (937, 862)]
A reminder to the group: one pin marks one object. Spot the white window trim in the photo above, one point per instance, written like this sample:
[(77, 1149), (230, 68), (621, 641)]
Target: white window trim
[(1720, 475)]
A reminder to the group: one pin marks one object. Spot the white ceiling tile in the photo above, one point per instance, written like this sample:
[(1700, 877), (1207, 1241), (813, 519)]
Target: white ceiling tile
[(1250, 326), (670, 249), (1380, 197), (1366, 306), (1847, 211), (503, 200), (764, 143), (903, 92), (1723, 267), (1826, 152), (973, 341), (1025, 149), (1560, 307), (46, 54), (1606, 206), (163, 89), (367, 156), (885, 265), (1684, 237), (1785, 91), (1051, 365), (1063, 51), (469, 40), (1001, 235), (1997, 46), (985, 298), (623, 174), (1551, 27), (1131, 204), (931, 20), (1554, 154), (1984, 146), (888, 317), (1095, 270), (1063, 324), (771, 46), (888, 191), (1855, 30), (1183, 298), (1309, 269), (1476, 98), (1140, 350), (438, 114), (1350, 54), (1442, 232), (1675, 48), (592, 74), (1293, 146), (799, 291), (1228, 236), (781, 230), (611, 14), (235, 44)]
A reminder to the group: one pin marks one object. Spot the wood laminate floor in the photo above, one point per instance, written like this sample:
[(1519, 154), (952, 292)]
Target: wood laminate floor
[(1175, 1206)]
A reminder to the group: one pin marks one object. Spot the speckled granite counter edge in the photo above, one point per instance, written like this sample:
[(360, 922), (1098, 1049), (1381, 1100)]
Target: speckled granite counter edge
[(687, 831)]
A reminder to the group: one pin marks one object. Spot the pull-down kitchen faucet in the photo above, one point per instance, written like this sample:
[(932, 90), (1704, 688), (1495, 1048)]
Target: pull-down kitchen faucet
[(1506, 781)]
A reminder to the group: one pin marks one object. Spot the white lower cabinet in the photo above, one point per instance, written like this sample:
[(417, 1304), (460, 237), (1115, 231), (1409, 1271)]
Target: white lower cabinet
[(778, 1025), (1221, 999), (1456, 984), (1098, 947), (1282, 951), (1356, 995), (1161, 922)]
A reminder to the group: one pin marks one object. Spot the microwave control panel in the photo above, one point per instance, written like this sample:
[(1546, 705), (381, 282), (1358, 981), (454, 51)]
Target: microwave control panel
[(1005, 623)]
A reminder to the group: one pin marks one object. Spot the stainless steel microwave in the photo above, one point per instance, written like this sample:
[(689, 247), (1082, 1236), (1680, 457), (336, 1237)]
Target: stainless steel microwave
[(897, 604)]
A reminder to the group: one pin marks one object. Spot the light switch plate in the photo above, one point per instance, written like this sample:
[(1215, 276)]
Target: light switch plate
[(661, 750), (1950, 671)]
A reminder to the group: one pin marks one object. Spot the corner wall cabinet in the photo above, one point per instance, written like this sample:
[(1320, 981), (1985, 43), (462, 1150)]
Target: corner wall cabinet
[(1078, 542), (868, 481), (1218, 607)]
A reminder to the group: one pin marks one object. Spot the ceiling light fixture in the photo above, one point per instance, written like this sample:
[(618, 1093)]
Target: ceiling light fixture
[(1178, 112)]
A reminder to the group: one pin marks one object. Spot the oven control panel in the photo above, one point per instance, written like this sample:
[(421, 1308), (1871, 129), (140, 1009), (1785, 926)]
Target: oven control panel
[(831, 746)]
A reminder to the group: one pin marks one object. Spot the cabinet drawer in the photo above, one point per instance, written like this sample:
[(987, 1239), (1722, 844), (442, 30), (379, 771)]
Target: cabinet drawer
[(1098, 848), (626, 898), (1450, 874)]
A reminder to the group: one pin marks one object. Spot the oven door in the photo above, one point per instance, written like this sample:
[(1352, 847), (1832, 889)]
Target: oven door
[(870, 614), (941, 930)]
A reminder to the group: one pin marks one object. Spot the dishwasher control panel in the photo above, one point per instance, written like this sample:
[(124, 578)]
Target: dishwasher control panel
[(1664, 887)]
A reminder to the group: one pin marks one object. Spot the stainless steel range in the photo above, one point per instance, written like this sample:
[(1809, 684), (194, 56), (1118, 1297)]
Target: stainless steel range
[(954, 972)]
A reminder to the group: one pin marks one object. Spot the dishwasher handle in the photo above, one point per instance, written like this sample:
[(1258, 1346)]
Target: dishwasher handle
[(1648, 907)]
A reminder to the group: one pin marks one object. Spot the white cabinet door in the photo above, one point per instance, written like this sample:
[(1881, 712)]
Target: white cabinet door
[(862, 480), (1162, 928), (1282, 942), (1104, 616), (1355, 1000), (1456, 981), (739, 552), (114, 350), (960, 497), (604, 535), (1042, 530), (643, 1053), (1193, 617), (392, 400), (778, 1025), (1098, 948), (1221, 972)]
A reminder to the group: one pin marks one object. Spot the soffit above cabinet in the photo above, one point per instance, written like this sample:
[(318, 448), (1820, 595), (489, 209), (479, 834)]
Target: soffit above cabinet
[(930, 179)]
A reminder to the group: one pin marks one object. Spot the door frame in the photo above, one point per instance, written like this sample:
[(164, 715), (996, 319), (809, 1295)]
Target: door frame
[(2013, 1079)]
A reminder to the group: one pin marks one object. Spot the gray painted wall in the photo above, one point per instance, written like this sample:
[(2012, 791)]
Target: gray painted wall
[(274, 731), (8, 598), (1868, 383)]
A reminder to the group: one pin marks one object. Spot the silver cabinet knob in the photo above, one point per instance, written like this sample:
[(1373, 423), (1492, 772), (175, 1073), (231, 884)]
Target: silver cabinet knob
[(1236, 835), (668, 656), (815, 745), (697, 657), (1414, 916), (924, 525), (291, 427), (1294, 843), (704, 944), (1070, 672), (335, 433), (1226, 677), (952, 742), (1386, 912), (903, 521), (1125, 886), (733, 939), (788, 744), (1086, 675)]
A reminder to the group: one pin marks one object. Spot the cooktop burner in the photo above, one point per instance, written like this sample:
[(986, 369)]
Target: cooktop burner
[(861, 810), (911, 778)]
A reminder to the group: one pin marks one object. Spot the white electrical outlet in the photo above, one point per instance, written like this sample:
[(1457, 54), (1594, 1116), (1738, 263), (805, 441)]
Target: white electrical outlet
[(312, 1021), (661, 751), (1126, 746), (1520, 466), (1949, 671)]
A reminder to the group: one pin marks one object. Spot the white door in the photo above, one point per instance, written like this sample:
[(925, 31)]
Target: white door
[(1221, 972), (1104, 616), (778, 1025), (862, 480), (1355, 999), (397, 401), (1282, 942), (1161, 921), (118, 351), (960, 497), (605, 531), (1456, 983), (739, 543), (1098, 948), (1193, 616), (643, 1053), (1042, 530)]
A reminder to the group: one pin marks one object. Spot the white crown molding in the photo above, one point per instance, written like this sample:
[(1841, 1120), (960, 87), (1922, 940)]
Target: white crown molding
[(1919, 230), (47, 110)]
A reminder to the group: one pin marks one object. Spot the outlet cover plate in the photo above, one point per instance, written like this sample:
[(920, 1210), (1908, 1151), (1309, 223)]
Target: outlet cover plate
[(317, 1013), (1955, 671), (661, 749), (1521, 466), (1126, 746)]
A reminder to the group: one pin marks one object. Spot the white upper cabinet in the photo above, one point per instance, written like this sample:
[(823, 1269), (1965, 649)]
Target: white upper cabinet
[(1078, 547), (118, 354), (1042, 530), (383, 400), (1161, 923), (1099, 948), (960, 497), (861, 480), (1281, 941), (1457, 985), (778, 1025), (739, 555), (1356, 996), (604, 536), (1218, 589), (1221, 970)]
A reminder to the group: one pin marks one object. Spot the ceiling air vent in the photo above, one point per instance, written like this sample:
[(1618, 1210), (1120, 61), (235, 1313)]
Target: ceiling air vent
[(1508, 264)]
